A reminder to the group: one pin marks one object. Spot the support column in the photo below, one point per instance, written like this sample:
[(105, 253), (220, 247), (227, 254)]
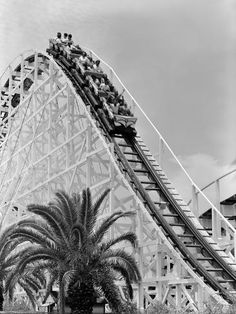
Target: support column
[(88, 149), (216, 223), (140, 258), (195, 201)]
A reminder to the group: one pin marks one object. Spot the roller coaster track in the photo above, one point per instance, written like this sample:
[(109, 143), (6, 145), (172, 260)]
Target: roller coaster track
[(181, 254), (142, 167)]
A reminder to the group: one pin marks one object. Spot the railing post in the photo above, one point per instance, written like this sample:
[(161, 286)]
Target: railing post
[(194, 201), (217, 197), (111, 76), (234, 246), (133, 106), (160, 151), (216, 223)]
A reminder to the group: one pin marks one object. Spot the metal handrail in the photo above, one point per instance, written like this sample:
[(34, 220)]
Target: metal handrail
[(214, 181)]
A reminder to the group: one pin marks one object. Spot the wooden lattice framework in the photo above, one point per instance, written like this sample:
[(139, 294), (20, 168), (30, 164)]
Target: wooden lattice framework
[(50, 141)]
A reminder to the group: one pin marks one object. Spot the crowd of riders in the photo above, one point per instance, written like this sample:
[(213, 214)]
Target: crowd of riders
[(113, 102)]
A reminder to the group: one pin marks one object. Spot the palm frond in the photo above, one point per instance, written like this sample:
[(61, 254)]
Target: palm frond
[(32, 236), (53, 218), (29, 292), (53, 278), (40, 227), (96, 208), (86, 210), (69, 276), (107, 223), (125, 274), (111, 292), (128, 236), (76, 199), (122, 259), (78, 234), (35, 255), (67, 206)]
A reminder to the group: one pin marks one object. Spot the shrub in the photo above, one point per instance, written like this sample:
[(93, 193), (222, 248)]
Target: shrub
[(19, 305), (158, 308)]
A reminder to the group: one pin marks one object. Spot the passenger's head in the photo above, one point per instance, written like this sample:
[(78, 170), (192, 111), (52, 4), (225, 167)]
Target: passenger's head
[(84, 54), (69, 36), (65, 35), (97, 62), (58, 35)]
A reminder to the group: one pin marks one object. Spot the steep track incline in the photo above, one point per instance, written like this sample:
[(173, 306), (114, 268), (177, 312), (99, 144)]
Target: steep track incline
[(152, 187)]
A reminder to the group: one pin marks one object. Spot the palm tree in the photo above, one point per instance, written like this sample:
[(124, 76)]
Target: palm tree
[(67, 241), (8, 259)]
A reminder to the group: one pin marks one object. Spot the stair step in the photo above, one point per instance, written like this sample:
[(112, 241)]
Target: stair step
[(214, 269), (141, 170), (185, 235), (130, 153), (170, 215), (225, 280), (136, 161), (152, 189), (148, 182), (193, 245), (124, 145), (177, 224), (204, 258)]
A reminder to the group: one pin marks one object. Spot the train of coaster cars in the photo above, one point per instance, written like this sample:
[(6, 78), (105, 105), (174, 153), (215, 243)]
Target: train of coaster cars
[(85, 80)]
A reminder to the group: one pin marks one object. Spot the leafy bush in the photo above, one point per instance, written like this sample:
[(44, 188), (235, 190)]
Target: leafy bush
[(159, 308), (19, 305), (219, 309)]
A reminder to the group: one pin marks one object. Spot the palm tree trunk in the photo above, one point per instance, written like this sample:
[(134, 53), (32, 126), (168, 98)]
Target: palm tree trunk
[(61, 296), (81, 297)]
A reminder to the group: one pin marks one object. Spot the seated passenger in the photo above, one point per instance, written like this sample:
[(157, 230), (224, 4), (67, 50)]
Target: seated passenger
[(97, 81), (83, 58), (96, 66), (122, 110), (115, 108), (107, 109), (71, 47), (58, 38), (65, 39), (103, 86), (70, 39), (89, 63)]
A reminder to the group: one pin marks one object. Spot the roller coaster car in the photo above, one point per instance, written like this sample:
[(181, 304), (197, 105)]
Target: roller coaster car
[(54, 45), (124, 124), (65, 62), (95, 73), (119, 124), (52, 52), (75, 53), (105, 121)]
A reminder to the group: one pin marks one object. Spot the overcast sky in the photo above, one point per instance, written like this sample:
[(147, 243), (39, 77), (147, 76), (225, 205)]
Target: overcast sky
[(177, 57)]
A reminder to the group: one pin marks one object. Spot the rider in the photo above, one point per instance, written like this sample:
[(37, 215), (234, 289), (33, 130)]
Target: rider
[(65, 39), (70, 39), (58, 38)]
